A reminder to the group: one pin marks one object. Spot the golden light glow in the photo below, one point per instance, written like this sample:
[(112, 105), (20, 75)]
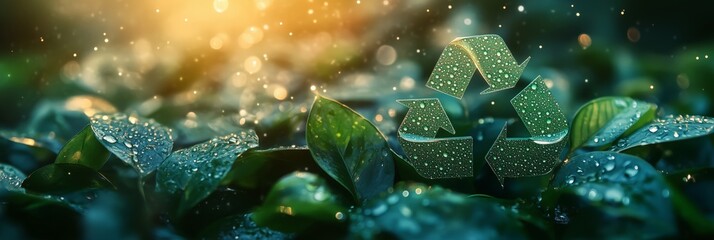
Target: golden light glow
[(252, 64), (89, 105), (585, 41)]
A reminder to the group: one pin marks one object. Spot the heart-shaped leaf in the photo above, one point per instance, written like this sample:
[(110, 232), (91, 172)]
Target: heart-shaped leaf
[(298, 201), (603, 120), (197, 171), (61, 178), (84, 149), (141, 143), (349, 148), (10, 178), (600, 188), (417, 211), (667, 129)]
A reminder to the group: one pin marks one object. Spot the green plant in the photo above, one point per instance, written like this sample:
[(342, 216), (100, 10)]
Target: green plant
[(350, 182)]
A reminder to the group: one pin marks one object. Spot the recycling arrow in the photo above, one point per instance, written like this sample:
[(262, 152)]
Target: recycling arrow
[(434, 157), (508, 157), (548, 127), (459, 61)]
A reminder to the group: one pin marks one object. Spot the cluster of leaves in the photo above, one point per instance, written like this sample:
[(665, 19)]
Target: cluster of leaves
[(119, 177)]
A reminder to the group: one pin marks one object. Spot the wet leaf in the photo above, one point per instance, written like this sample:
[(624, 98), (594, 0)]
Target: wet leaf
[(141, 143), (599, 188), (417, 211), (603, 120), (61, 178), (33, 140), (84, 149), (298, 201), (196, 171), (667, 129), (10, 178), (263, 168), (223, 202), (459, 61), (34, 212), (240, 227), (349, 148)]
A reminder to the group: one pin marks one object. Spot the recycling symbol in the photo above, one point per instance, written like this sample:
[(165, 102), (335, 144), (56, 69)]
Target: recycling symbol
[(452, 157)]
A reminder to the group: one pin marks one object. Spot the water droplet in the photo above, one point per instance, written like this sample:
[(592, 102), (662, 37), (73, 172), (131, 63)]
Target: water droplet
[(631, 171), (653, 129), (320, 196), (109, 139), (570, 180), (609, 166)]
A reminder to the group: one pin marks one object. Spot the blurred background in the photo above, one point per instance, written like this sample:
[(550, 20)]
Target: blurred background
[(210, 67)]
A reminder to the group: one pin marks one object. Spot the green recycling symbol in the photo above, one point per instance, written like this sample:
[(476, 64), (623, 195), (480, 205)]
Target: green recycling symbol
[(508, 157)]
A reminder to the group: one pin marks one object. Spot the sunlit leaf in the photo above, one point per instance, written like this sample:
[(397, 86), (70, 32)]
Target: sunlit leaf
[(10, 178), (141, 143), (61, 178), (197, 171), (603, 120), (240, 227), (487, 53), (298, 201), (417, 211), (667, 129), (84, 149), (33, 140), (593, 190), (349, 148)]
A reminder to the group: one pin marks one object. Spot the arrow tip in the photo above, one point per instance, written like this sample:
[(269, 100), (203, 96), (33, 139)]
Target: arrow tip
[(490, 155), (523, 65)]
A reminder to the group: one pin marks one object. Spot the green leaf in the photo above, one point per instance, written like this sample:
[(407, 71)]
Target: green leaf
[(61, 178), (592, 191), (417, 211), (139, 142), (667, 129), (691, 197), (240, 227), (349, 148), (84, 149), (196, 171), (222, 203), (298, 201), (603, 120), (33, 212), (10, 178), (263, 168)]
